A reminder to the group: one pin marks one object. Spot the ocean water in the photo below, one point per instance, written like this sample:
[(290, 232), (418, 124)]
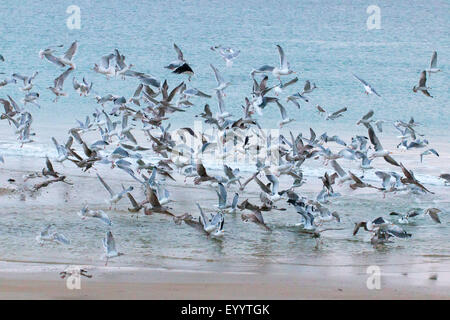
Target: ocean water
[(324, 41)]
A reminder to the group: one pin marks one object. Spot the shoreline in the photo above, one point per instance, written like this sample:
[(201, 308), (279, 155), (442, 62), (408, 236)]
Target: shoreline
[(37, 281)]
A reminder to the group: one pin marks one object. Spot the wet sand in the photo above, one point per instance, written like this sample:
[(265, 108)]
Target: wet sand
[(43, 282)]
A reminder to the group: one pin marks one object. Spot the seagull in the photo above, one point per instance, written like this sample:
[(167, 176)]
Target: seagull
[(336, 114), (410, 179), (221, 84), (308, 88), (57, 88), (228, 54), (121, 67), (106, 67), (180, 59), (222, 194), (433, 64), (445, 177), (404, 218), (184, 69), (293, 98), (31, 97), (284, 118), (304, 211), (379, 150), (85, 212), (422, 87), (254, 216), (156, 206), (27, 81), (343, 176), (283, 70), (46, 235), (115, 197), (383, 225), (66, 59), (109, 244), (368, 89), (428, 151), (223, 114), (82, 88), (210, 225), (433, 214)]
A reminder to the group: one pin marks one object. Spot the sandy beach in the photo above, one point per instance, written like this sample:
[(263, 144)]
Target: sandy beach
[(34, 281)]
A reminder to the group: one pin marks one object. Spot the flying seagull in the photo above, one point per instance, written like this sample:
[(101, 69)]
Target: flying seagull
[(367, 87)]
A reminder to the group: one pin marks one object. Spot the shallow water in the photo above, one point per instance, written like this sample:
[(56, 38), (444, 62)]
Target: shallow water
[(325, 41)]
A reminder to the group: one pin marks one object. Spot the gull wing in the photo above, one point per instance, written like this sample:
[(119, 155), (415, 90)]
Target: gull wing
[(423, 79), (203, 218), (59, 82), (433, 60), (274, 182), (339, 111), (133, 201), (307, 86), (282, 110), (386, 177), (59, 237), (105, 185), (338, 168), (221, 102), (262, 185), (222, 193), (283, 62), (355, 178), (368, 115), (54, 60), (105, 60), (362, 81), (374, 139), (218, 76), (71, 51), (152, 198), (179, 53)]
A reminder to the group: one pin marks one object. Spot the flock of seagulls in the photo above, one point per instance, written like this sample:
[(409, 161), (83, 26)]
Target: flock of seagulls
[(116, 117)]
